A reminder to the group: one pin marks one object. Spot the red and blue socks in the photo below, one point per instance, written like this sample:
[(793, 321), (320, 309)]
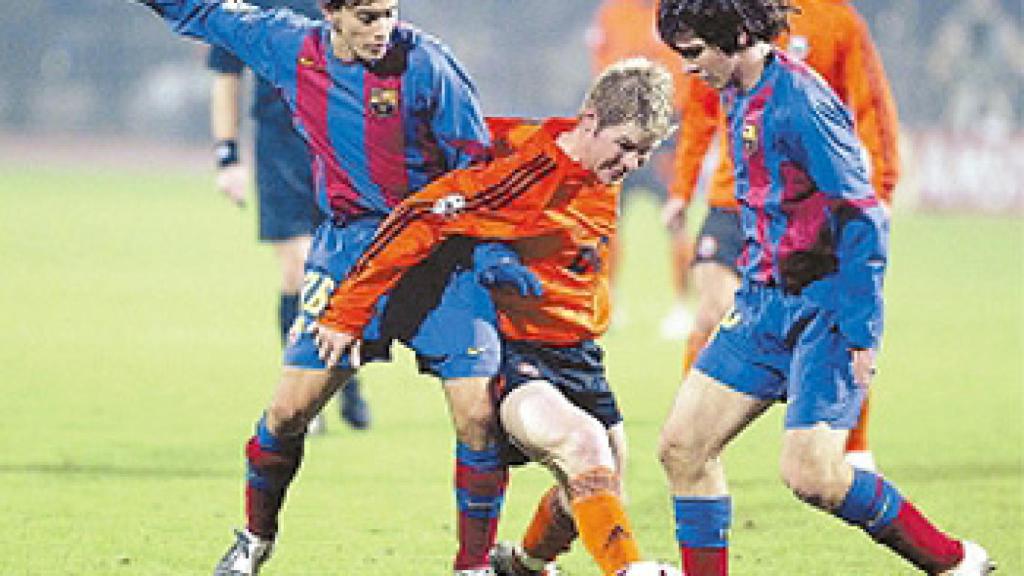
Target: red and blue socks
[(272, 464), (480, 481), (874, 505), (702, 530)]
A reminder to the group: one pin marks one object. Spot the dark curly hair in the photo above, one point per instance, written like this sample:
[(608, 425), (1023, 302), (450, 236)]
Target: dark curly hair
[(720, 22)]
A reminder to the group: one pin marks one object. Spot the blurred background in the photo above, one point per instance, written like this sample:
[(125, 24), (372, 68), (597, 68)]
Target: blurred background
[(106, 69), (137, 310)]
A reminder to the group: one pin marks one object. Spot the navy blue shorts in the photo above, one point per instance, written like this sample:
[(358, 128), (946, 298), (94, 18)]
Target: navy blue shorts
[(284, 182), (720, 239), (786, 347), (438, 309), (575, 371)]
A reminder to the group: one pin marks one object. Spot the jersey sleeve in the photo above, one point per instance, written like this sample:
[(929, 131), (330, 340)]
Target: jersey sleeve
[(268, 41), (871, 102), (499, 201), (825, 145), (457, 120), (700, 110)]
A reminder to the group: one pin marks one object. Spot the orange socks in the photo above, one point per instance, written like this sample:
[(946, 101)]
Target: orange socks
[(858, 439), (551, 531), (601, 520)]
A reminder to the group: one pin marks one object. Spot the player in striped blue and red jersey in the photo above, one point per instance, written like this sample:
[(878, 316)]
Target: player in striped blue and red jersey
[(384, 109), (807, 318), (287, 208)]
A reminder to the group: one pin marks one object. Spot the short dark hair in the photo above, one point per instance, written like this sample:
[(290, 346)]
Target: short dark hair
[(720, 22)]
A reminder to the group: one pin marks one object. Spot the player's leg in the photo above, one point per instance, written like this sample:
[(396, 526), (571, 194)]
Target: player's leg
[(715, 275), (552, 530), (454, 336), (291, 256), (481, 476), (679, 321), (274, 452), (273, 455), (813, 467), (706, 415), (824, 404), (716, 284), (575, 445), (858, 450)]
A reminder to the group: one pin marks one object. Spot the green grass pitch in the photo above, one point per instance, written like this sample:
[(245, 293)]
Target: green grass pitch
[(138, 346)]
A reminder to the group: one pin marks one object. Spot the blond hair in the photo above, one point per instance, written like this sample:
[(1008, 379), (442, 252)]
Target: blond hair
[(634, 90)]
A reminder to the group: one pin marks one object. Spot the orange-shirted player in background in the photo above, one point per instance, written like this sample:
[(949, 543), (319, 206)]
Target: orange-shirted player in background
[(625, 29), (552, 194), (831, 37)]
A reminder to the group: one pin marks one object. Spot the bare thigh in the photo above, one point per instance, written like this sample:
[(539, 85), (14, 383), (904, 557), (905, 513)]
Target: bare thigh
[(555, 432)]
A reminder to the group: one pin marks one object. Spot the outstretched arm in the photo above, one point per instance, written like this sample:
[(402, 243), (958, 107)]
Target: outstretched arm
[(503, 201), (268, 41)]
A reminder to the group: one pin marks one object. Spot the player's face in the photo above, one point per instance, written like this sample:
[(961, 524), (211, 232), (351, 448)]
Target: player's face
[(362, 31), (612, 152), (709, 62)]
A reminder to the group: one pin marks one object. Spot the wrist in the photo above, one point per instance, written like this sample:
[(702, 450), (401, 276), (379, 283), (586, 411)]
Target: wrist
[(226, 152)]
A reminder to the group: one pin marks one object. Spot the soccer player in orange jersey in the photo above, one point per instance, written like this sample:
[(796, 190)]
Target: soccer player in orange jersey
[(552, 194), (834, 40), (625, 29)]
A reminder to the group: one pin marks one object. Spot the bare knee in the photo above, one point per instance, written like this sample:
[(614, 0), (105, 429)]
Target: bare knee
[(818, 481), (473, 416), (585, 447), (288, 418), (685, 457)]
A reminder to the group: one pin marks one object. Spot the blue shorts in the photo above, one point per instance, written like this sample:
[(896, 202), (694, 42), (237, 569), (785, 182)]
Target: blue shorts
[(438, 309), (284, 182), (575, 371), (720, 239), (777, 346)]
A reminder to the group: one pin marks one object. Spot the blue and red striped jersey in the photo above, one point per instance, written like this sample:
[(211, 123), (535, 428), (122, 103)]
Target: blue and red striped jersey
[(376, 131), (808, 209)]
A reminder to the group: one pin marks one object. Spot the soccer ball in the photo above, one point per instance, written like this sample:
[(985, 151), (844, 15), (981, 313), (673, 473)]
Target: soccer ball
[(649, 568)]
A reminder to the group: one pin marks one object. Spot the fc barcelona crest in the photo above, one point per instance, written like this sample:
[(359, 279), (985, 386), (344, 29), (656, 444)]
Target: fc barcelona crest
[(383, 101), (749, 138)]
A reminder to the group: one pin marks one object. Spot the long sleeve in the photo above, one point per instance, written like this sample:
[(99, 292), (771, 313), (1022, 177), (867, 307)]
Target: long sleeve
[(503, 200), (874, 109), (826, 146), (701, 108), (268, 41)]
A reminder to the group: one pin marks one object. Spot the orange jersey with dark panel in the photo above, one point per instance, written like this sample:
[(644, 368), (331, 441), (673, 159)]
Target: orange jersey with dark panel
[(556, 215), (832, 39)]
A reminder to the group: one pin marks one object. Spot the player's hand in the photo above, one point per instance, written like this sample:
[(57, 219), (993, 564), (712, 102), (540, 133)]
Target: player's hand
[(673, 215), (511, 274), (331, 344), (233, 181), (863, 364)]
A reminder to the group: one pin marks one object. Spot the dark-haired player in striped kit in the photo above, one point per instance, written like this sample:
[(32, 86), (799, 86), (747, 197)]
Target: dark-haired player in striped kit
[(288, 212), (384, 109), (807, 319)]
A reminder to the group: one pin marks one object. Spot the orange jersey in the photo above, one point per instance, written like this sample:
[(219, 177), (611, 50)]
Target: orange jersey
[(555, 214), (833, 39), (625, 29)]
